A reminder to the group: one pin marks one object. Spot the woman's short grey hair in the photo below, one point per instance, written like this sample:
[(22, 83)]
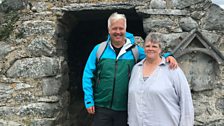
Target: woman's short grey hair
[(116, 16), (153, 38)]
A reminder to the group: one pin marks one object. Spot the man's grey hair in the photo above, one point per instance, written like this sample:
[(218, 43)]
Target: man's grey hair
[(116, 16)]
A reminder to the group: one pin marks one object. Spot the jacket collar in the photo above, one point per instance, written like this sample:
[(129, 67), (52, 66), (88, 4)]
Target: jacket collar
[(124, 48)]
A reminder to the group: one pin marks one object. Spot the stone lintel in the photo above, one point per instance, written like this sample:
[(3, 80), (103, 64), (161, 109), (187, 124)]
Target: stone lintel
[(145, 12), (97, 6)]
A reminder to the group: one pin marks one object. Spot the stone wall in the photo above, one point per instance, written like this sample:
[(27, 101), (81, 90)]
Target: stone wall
[(34, 80)]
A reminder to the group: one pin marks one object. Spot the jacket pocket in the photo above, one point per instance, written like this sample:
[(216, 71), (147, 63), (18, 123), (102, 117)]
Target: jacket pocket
[(98, 76)]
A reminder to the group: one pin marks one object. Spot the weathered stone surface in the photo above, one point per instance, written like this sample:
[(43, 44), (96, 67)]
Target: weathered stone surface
[(204, 5), (8, 111), (49, 99), (187, 24), (38, 27), (199, 78), (152, 24), (221, 44), (25, 96), (220, 104), (148, 12), (41, 6), (171, 40), (97, 6), (52, 86), (64, 100), (34, 67), (214, 19), (9, 123), (199, 108), (197, 14), (210, 36), (219, 122), (12, 57), (5, 92), (45, 110), (21, 86), (41, 46), (5, 49), (205, 106), (180, 4), (139, 40), (64, 69), (43, 122), (158, 4), (58, 84), (199, 84), (7, 5)]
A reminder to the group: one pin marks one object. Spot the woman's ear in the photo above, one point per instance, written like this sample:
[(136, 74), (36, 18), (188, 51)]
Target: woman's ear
[(160, 52)]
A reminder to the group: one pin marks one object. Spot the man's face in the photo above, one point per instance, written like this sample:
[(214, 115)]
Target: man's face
[(117, 30)]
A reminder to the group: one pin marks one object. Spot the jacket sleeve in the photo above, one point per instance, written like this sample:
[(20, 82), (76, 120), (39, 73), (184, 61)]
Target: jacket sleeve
[(141, 53), (167, 54), (88, 75), (185, 99)]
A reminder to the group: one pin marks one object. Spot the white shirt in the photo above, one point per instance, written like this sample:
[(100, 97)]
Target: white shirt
[(164, 99)]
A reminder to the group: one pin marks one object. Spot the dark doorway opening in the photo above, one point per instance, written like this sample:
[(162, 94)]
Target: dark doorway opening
[(90, 28)]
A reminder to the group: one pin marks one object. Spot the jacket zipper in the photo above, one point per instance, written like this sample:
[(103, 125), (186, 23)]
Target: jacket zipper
[(129, 72), (99, 77), (115, 73), (98, 80)]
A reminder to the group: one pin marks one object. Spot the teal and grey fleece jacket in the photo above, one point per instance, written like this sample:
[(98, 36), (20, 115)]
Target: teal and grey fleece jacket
[(105, 83)]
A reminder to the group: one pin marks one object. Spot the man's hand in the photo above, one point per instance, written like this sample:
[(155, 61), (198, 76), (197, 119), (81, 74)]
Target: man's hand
[(91, 110), (173, 63)]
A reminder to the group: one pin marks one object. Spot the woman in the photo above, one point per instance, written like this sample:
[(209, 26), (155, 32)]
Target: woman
[(158, 96)]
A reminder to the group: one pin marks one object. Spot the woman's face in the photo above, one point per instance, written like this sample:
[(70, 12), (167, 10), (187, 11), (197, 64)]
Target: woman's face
[(152, 50)]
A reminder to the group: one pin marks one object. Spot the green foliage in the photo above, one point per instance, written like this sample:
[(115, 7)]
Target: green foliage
[(7, 25)]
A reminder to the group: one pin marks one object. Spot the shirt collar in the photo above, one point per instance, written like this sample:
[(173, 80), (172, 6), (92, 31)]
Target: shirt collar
[(163, 62)]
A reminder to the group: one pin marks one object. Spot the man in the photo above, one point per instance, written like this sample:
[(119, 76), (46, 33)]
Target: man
[(105, 82)]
